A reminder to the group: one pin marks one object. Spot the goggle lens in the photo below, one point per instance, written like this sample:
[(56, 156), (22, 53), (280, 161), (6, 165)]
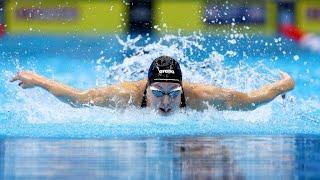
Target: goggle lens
[(173, 93)]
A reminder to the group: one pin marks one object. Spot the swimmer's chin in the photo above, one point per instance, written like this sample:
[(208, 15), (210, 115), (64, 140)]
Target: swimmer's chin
[(163, 113)]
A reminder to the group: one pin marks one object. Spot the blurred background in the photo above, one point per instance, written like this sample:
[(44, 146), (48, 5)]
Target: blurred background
[(96, 17)]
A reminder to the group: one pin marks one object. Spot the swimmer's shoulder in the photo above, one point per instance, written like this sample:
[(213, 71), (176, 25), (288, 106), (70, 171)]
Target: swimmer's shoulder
[(195, 93), (194, 89), (137, 86), (136, 89)]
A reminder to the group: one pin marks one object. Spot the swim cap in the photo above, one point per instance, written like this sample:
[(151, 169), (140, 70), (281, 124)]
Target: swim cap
[(164, 69)]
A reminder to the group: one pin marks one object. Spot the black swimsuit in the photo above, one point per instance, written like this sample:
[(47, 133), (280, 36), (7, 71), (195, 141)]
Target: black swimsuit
[(144, 99)]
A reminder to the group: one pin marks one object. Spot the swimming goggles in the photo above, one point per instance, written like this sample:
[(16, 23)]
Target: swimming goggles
[(159, 93)]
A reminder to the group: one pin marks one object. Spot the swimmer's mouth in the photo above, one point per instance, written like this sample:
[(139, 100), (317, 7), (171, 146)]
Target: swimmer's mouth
[(165, 111)]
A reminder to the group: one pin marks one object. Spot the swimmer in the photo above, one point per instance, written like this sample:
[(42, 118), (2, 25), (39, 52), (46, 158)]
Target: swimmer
[(162, 91)]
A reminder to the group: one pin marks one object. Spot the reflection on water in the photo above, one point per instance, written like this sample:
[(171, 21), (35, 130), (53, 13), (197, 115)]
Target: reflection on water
[(161, 158), (206, 159)]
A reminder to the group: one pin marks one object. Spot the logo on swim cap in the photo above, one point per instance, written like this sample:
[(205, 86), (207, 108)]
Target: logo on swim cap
[(164, 69), (169, 71)]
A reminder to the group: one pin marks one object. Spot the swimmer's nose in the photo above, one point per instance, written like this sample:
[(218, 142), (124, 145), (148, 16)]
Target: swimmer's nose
[(165, 109), (165, 106), (166, 100)]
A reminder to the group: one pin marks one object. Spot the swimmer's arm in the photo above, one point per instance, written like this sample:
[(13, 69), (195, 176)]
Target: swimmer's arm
[(115, 95), (118, 95), (66, 94), (270, 91), (228, 99)]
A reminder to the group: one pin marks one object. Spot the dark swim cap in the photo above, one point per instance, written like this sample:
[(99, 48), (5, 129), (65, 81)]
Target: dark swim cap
[(164, 69)]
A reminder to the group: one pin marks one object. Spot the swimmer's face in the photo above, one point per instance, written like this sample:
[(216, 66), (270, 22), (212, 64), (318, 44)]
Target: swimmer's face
[(164, 96)]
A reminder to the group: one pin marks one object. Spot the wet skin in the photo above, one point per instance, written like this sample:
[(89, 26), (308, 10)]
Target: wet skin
[(121, 95), (165, 104)]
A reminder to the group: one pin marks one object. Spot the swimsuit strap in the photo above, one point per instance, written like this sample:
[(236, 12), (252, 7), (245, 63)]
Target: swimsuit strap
[(183, 99), (144, 98)]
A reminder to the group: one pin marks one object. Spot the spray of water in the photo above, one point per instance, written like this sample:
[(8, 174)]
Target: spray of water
[(33, 108)]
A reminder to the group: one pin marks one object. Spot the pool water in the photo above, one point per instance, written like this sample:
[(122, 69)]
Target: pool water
[(42, 137), (230, 157)]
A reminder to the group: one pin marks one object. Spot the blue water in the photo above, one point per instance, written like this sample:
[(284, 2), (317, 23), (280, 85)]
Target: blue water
[(42, 137)]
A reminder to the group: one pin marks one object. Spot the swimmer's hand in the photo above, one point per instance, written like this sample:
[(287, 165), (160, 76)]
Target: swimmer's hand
[(27, 79), (286, 81)]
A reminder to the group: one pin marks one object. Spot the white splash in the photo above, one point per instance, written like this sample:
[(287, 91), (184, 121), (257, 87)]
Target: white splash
[(36, 106)]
